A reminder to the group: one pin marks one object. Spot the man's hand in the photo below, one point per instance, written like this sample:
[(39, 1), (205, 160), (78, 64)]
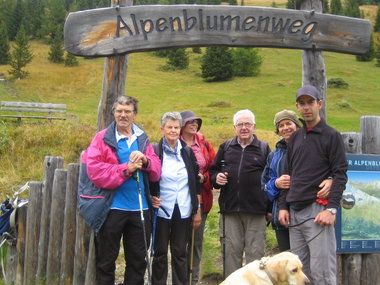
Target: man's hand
[(133, 166), (221, 178), (325, 218), (284, 218), (325, 189), (136, 156), (283, 182)]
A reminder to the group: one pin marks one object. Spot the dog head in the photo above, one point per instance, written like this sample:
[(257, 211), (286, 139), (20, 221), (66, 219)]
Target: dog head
[(286, 268)]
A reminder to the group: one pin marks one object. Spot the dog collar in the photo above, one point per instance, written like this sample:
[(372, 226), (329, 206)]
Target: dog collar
[(263, 266)]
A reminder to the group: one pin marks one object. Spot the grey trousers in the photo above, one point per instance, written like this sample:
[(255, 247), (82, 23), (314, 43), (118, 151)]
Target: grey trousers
[(245, 233), (318, 256)]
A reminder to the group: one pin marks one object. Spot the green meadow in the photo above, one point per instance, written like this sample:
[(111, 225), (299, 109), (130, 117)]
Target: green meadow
[(24, 145)]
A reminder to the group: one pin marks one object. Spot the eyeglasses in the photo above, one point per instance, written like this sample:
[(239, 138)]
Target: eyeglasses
[(193, 122), (246, 125), (127, 112)]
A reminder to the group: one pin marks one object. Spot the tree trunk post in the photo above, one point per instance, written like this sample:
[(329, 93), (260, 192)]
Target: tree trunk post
[(20, 246), (69, 226), (114, 76), (33, 222), (56, 227), (370, 127), (50, 165), (313, 66)]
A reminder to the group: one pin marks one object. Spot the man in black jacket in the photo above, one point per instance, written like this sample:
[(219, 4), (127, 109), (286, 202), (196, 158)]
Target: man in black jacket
[(315, 152), (237, 169)]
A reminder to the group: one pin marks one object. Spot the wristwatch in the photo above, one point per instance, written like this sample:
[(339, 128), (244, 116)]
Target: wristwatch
[(332, 210)]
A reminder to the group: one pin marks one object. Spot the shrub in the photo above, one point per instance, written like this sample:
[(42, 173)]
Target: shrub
[(247, 61), (337, 83), (369, 55), (177, 59), (217, 64), (71, 60)]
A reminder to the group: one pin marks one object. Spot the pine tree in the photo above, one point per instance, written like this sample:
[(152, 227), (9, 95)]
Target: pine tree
[(21, 55), (217, 64), (56, 48), (34, 17), (247, 61), (352, 9), (325, 6), (336, 7), (177, 59), (71, 60), (196, 50), (4, 45), (291, 4), (16, 20), (376, 27), (369, 55), (377, 55)]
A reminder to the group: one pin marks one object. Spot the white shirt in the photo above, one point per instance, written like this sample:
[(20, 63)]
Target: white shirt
[(174, 185)]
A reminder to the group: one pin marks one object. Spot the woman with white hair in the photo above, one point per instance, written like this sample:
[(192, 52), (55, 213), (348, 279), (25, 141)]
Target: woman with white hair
[(176, 196)]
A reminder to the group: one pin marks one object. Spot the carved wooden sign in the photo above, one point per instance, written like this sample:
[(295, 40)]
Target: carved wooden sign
[(118, 30)]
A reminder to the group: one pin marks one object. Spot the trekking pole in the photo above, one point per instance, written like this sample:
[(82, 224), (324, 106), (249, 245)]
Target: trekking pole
[(143, 225), (223, 168), (191, 256)]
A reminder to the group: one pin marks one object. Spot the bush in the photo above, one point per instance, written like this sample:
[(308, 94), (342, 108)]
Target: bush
[(247, 61), (217, 64), (369, 55), (162, 52), (197, 50), (177, 59), (337, 83), (71, 60)]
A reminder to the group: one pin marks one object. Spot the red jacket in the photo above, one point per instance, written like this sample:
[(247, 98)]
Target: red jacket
[(206, 188)]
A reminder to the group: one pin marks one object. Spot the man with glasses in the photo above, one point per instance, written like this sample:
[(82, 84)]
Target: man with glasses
[(119, 162), (237, 170)]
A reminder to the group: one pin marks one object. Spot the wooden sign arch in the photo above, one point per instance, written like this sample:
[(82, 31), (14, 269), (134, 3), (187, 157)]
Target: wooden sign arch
[(120, 30)]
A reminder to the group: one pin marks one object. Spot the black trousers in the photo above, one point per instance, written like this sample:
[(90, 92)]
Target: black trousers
[(126, 225), (175, 232)]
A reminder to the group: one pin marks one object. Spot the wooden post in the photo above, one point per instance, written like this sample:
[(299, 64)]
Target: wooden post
[(20, 246), (360, 268), (351, 268), (51, 163), (83, 233), (91, 262), (352, 142), (33, 222), (370, 269), (69, 226), (370, 127), (313, 66), (56, 227), (115, 72)]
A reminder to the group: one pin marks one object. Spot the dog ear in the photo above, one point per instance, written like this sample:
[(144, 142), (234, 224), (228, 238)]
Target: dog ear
[(278, 269)]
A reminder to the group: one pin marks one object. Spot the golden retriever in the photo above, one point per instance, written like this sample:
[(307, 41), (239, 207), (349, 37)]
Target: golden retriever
[(283, 268)]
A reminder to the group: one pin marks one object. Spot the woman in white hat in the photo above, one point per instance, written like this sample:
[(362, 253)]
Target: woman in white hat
[(274, 180)]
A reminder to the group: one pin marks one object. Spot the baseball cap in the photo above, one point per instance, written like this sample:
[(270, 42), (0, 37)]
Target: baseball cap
[(309, 90)]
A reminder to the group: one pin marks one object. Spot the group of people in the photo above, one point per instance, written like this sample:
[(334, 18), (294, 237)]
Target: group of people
[(158, 196)]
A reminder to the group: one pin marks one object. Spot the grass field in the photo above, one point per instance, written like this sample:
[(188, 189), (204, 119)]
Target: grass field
[(24, 145)]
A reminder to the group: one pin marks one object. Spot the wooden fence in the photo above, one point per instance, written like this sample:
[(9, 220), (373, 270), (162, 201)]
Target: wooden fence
[(52, 239), (53, 243)]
